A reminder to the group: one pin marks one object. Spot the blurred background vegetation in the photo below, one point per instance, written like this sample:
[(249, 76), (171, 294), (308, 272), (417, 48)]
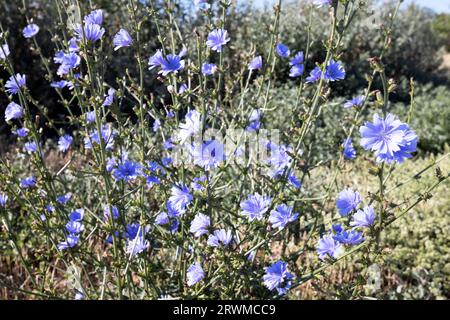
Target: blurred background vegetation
[(417, 263)]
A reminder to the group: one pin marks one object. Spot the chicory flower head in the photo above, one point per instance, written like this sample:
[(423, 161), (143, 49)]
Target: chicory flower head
[(108, 209), (122, 39), (172, 63), (92, 32), (12, 86), (3, 199), (328, 246), (76, 215), (4, 51), (347, 237), (217, 38), (190, 127), (137, 245), (280, 217), (109, 99), (200, 224), (296, 70), (95, 17), (314, 75), (347, 201), (208, 69), (156, 60), (389, 138), (355, 102), (30, 146), (60, 84), (107, 135), (282, 50), (219, 237), (349, 151), (363, 218), (127, 171), (13, 111), (334, 71), (28, 182), (64, 142), (194, 274), (254, 120), (320, 3), (71, 241), (22, 132), (30, 30), (278, 277), (180, 197), (256, 63), (208, 155), (74, 227), (297, 59), (255, 206), (64, 198)]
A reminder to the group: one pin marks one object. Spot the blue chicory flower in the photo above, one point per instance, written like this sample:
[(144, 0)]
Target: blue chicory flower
[(208, 155), (320, 3), (71, 241), (314, 75), (194, 274), (30, 30), (278, 277), (109, 99), (219, 237), (92, 32), (122, 39), (3, 199), (349, 151), (172, 63), (64, 142), (389, 138), (28, 182), (347, 201), (328, 246), (296, 70), (95, 17), (64, 198), (13, 111), (127, 171), (12, 86), (200, 224), (76, 215), (334, 71), (254, 120), (283, 215), (355, 102), (108, 209), (4, 51), (256, 63), (363, 218), (22, 132), (255, 206), (282, 50), (190, 127), (216, 39), (208, 69), (347, 237), (180, 197), (156, 60)]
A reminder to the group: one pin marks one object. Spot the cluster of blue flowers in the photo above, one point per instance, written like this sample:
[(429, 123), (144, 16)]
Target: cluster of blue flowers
[(332, 244), (390, 139), (74, 227)]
